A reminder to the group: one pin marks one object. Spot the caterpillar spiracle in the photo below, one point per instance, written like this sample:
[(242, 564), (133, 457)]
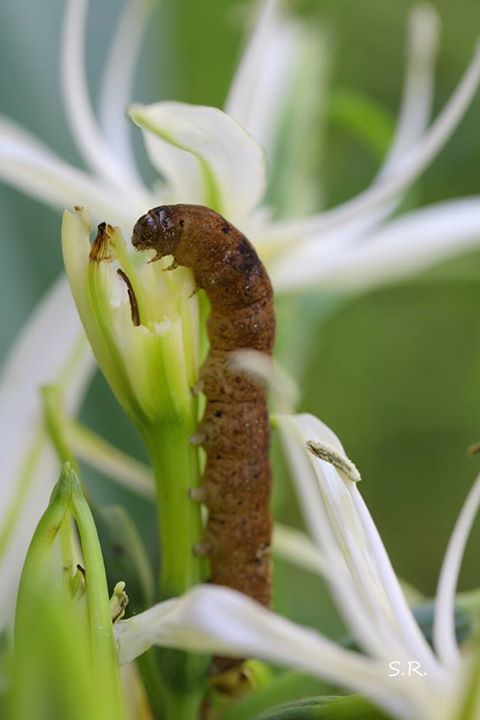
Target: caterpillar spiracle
[(235, 434)]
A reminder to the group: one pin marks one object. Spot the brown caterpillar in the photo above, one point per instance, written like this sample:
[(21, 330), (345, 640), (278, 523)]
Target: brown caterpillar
[(234, 430)]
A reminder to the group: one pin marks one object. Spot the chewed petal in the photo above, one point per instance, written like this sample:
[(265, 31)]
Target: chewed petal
[(206, 157), (51, 348), (32, 167), (409, 244), (222, 621)]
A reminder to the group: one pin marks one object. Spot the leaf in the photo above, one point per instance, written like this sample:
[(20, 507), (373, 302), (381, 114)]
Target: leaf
[(325, 707), (283, 688)]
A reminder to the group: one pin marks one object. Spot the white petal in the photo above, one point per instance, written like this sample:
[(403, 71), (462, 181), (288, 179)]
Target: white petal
[(206, 157), (92, 145), (219, 620), (263, 80), (242, 98), (294, 546), (118, 80), (413, 119), (356, 611), (32, 167), (371, 601), (407, 245), (419, 82), (444, 637), (406, 169), (51, 349)]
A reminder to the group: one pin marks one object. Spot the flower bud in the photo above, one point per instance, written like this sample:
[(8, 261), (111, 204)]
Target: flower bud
[(65, 661), (142, 322)]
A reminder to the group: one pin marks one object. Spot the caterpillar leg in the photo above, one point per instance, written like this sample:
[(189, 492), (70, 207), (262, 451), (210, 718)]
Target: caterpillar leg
[(198, 387), (202, 549), (198, 494), (197, 439)]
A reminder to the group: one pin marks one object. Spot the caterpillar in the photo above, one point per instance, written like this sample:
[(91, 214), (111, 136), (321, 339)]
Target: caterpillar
[(234, 431)]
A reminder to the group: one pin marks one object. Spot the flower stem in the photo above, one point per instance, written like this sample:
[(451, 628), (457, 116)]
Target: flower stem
[(176, 469)]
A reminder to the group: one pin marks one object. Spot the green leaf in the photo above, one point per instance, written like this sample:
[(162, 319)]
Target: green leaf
[(326, 707), (283, 688)]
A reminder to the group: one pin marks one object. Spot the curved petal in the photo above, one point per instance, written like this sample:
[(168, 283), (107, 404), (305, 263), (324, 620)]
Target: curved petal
[(51, 349), (206, 157), (241, 103), (407, 245), (220, 620), (343, 528), (32, 167), (405, 171), (263, 80), (118, 80), (413, 119), (92, 145), (419, 83), (444, 636)]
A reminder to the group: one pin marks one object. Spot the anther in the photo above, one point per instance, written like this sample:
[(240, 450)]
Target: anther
[(328, 453)]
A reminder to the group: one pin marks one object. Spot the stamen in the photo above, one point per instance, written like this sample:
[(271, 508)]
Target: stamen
[(118, 601), (329, 454), (100, 249), (131, 297)]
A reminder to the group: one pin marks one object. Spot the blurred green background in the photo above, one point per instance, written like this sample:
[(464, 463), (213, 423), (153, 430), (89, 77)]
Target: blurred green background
[(395, 371)]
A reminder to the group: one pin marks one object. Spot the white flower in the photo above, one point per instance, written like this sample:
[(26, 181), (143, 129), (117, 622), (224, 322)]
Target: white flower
[(209, 156), (367, 593)]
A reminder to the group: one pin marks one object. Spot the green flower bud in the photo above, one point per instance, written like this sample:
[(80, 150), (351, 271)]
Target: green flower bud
[(65, 661)]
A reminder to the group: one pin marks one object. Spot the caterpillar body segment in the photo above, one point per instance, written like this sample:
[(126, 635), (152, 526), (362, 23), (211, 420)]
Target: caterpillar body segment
[(234, 430)]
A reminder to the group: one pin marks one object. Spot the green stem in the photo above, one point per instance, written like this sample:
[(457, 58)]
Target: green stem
[(175, 465), (176, 469)]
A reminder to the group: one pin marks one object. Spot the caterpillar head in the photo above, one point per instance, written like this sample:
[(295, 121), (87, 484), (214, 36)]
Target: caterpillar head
[(160, 229)]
